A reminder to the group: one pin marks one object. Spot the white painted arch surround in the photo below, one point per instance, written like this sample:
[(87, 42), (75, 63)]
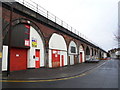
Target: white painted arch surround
[(31, 51), (72, 43), (57, 42), (71, 55)]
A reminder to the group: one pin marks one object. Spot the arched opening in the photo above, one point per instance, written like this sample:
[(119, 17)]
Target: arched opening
[(72, 51), (87, 53), (27, 48), (100, 55), (81, 54), (57, 51), (95, 52), (92, 52)]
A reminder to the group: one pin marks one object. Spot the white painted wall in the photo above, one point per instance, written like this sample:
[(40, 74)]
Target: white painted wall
[(83, 54), (65, 57), (31, 51), (72, 43), (57, 42), (97, 55), (50, 58), (4, 58), (71, 59), (105, 55)]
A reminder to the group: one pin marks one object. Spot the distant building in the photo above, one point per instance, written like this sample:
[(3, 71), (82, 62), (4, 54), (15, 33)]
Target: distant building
[(114, 53)]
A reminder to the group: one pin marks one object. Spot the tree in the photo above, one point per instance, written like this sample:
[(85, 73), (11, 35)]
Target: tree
[(117, 38)]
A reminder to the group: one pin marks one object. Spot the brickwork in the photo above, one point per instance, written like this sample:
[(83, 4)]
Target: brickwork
[(45, 29)]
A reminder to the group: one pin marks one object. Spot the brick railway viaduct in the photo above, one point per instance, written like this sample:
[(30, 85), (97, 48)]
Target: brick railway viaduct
[(44, 42)]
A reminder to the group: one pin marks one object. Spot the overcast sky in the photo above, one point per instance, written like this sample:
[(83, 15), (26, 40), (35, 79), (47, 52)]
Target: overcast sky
[(96, 19)]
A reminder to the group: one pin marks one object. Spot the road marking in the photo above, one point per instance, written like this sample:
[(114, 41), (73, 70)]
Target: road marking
[(49, 80), (42, 80)]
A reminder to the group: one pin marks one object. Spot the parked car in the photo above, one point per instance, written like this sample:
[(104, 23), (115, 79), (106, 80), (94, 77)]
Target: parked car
[(92, 60)]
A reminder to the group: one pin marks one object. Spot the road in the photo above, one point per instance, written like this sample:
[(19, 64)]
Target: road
[(103, 76)]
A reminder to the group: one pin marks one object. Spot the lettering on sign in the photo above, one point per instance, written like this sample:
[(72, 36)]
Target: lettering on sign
[(34, 42)]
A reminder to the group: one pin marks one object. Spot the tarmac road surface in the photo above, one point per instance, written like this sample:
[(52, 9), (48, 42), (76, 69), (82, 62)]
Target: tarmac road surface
[(102, 76)]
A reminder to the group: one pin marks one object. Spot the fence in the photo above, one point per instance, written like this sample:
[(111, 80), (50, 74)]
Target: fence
[(35, 7)]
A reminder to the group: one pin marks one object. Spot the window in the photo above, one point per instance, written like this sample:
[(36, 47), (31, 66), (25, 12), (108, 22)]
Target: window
[(73, 49)]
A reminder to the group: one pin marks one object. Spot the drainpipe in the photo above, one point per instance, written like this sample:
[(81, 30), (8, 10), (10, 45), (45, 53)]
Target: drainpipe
[(9, 40)]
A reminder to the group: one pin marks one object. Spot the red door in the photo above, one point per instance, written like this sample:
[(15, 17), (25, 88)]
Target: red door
[(55, 58), (62, 60), (81, 58), (37, 58), (18, 59)]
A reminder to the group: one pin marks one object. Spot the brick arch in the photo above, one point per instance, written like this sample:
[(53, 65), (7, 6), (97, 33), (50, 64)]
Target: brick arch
[(100, 54), (31, 23), (81, 53), (96, 51), (57, 46), (19, 21), (82, 46), (75, 43), (72, 56), (86, 49), (23, 21), (92, 51)]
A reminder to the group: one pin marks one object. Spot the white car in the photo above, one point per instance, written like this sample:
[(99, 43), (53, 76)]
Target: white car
[(92, 60)]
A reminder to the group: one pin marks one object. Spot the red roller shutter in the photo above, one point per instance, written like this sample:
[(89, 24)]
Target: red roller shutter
[(18, 59)]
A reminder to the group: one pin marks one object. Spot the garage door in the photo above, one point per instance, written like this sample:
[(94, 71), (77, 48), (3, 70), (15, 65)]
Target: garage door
[(18, 59)]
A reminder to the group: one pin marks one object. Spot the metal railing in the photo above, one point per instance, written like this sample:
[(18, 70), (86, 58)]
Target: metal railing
[(37, 8)]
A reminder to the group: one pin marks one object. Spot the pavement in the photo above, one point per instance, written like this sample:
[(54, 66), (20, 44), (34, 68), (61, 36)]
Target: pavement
[(103, 75), (54, 73)]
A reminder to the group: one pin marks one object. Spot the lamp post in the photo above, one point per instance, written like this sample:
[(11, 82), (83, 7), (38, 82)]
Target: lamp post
[(9, 40)]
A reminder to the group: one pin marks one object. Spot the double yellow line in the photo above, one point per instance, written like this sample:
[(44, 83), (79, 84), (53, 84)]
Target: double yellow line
[(50, 80)]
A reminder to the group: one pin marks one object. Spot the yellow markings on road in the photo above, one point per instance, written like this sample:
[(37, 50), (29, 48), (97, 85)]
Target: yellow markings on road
[(42, 80), (50, 80)]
